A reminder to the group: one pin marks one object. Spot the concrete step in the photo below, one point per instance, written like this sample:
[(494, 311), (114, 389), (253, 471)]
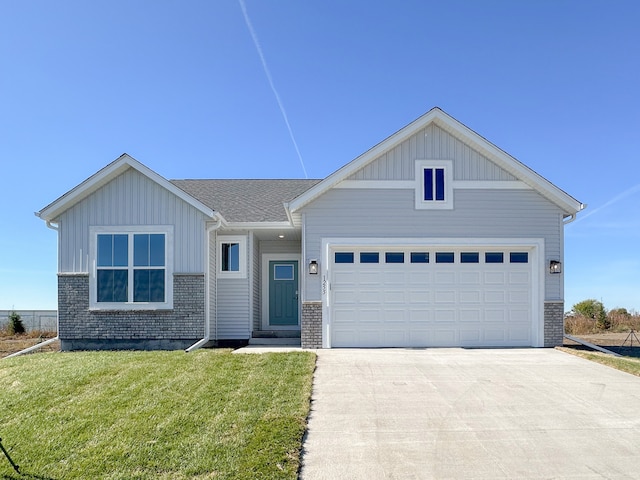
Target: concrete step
[(291, 341)]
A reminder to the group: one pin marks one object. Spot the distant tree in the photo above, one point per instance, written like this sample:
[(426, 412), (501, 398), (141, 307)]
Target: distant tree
[(15, 324), (594, 310)]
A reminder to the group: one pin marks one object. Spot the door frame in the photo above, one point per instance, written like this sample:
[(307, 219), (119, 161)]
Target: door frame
[(264, 288)]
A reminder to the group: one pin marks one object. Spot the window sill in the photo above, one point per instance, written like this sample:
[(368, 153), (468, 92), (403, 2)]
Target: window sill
[(130, 307)]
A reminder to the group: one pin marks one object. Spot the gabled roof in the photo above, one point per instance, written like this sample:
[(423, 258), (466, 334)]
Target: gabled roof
[(437, 116), (246, 200), (104, 176)]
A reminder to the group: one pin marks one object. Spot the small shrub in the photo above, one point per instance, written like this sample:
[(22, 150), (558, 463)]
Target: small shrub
[(15, 324)]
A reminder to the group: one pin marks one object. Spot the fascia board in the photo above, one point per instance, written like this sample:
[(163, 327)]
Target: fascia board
[(258, 225), (104, 176)]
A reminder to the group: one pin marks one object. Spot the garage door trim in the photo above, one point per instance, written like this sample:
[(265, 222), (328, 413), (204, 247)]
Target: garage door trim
[(536, 246)]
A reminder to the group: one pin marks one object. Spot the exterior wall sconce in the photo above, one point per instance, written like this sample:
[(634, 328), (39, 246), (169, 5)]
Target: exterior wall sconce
[(555, 266), (313, 267)]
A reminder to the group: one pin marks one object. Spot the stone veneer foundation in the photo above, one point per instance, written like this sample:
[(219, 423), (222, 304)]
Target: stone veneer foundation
[(553, 323), (82, 329), (311, 325)]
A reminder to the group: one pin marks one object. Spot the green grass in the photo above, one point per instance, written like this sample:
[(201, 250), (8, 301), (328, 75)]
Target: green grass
[(154, 415), (626, 364)]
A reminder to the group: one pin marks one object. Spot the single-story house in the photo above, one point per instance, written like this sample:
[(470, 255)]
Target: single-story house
[(434, 237)]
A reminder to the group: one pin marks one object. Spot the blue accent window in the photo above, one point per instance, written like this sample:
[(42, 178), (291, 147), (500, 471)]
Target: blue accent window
[(344, 257), (113, 250), (444, 257), (493, 257), (148, 285), (428, 184), (419, 257), (439, 184), (230, 257), (469, 257), (519, 257), (394, 257), (369, 257), (434, 184)]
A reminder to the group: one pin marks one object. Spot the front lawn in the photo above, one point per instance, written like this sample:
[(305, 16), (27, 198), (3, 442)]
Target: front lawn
[(155, 415)]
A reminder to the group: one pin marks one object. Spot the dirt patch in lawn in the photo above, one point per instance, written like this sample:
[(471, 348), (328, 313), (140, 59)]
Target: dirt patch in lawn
[(14, 343), (623, 343)]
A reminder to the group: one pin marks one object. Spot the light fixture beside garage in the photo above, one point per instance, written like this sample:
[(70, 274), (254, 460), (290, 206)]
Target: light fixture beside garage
[(555, 266), (313, 267)]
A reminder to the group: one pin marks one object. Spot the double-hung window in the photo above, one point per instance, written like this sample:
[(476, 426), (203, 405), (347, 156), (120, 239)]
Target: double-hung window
[(131, 268), (434, 188)]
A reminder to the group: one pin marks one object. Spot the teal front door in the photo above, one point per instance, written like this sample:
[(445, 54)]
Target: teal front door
[(283, 293)]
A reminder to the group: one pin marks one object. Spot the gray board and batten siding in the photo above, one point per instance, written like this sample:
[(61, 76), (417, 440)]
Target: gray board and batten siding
[(131, 199)]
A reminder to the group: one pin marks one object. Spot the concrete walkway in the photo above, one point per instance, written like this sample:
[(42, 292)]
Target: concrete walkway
[(470, 414)]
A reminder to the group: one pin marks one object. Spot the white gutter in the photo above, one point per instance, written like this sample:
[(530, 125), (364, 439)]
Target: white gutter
[(207, 324), (32, 348), (572, 217)]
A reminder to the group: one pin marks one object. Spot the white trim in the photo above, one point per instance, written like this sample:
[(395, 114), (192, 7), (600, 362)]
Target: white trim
[(130, 230), (104, 176), (243, 245), (377, 184), (258, 225), (411, 184), (264, 288), (536, 245), (420, 167)]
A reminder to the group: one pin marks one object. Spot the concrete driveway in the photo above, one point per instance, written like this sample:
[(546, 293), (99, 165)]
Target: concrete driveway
[(483, 414)]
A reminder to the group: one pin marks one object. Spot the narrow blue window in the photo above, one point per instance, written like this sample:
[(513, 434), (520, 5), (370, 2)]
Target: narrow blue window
[(369, 257), (519, 257), (230, 257), (344, 257), (469, 257), (419, 257), (428, 184), (444, 257), (493, 257), (394, 257), (440, 184)]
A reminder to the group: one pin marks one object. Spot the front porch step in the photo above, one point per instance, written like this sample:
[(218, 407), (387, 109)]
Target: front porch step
[(276, 334), (286, 341)]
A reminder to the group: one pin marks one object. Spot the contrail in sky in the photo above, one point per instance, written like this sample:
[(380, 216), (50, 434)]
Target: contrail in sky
[(616, 199), (273, 88)]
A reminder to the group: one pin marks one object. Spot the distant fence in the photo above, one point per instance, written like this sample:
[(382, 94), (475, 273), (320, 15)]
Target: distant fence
[(44, 320)]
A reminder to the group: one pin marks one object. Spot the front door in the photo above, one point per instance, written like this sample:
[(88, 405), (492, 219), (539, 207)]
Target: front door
[(283, 292)]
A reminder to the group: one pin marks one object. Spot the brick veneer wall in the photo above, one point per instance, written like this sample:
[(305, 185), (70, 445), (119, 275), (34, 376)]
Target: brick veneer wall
[(553, 323), (82, 329), (311, 325)]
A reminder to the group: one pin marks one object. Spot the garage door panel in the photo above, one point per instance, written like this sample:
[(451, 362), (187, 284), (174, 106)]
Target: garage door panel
[(470, 315), (445, 278), (469, 296), (470, 337), (494, 296), (431, 303), (445, 296), (445, 315)]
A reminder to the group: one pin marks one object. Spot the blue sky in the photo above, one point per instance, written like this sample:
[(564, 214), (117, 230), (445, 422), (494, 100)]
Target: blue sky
[(181, 87)]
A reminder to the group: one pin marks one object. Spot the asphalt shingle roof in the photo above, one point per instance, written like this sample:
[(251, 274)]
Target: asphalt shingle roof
[(246, 200)]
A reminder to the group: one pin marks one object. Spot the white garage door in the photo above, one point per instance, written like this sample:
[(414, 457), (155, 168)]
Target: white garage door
[(421, 297)]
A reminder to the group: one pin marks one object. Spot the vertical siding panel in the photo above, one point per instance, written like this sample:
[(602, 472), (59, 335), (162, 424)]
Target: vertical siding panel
[(132, 199)]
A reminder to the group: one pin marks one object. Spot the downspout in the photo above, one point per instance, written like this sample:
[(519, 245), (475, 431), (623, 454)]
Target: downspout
[(207, 326)]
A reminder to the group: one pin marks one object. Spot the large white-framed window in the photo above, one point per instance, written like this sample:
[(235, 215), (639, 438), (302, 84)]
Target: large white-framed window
[(132, 268), (434, 184), (232, 256)]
